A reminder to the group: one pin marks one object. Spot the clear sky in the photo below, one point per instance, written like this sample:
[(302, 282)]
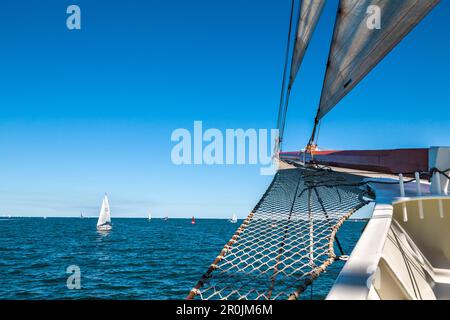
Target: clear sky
[(91, 111)]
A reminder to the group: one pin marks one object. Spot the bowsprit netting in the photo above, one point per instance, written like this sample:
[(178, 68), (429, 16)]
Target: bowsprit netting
[(287, 240)]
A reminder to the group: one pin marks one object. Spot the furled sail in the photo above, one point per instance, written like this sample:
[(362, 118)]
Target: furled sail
[(310, 11), (105, 216), (359, 43)]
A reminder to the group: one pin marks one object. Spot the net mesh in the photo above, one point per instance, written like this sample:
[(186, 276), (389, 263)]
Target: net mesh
[(288, 238)]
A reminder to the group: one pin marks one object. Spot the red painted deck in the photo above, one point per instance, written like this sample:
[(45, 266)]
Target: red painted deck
[(386, 161)]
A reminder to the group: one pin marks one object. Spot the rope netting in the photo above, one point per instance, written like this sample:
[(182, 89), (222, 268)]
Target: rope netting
[(287, 240)]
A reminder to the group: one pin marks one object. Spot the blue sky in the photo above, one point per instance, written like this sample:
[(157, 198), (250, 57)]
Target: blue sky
[(92, 111)]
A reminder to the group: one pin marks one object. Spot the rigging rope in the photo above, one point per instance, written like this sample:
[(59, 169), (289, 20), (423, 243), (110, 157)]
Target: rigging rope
[(311, 141), (442, 172), (281, 113)]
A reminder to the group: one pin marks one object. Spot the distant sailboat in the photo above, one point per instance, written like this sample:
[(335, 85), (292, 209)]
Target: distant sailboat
[(149, 216), (81, 215), (104, 219), (166, 218), (193, 220), (234, 218)]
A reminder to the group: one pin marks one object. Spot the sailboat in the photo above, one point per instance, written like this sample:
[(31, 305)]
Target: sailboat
[(403, 252), (104, 219), (193, 220), (149, 216), (81, 215), (234, 218)]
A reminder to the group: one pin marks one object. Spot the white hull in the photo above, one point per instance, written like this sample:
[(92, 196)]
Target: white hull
[(104, 228)]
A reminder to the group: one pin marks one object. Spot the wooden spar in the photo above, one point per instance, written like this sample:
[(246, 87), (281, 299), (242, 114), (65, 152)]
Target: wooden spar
[(385, 161)]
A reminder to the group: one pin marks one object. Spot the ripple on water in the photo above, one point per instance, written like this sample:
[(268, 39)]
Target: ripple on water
[(138, 259)]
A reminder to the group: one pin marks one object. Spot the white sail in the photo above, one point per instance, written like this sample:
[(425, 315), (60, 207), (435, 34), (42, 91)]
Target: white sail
[(310, 11), (105, 215), (149, 215), (359, 44), (233, 218), (309, 14)]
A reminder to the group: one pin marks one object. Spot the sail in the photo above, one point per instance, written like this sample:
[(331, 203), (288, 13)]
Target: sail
[(105, 216), (149, 215), (359, 44), (309, 14), (310, 11)]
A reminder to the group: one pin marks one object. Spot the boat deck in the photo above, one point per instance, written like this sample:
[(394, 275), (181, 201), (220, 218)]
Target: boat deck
[(406, 249)]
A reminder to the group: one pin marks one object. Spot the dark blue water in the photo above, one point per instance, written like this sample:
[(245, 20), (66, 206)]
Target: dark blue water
[(138, 259)]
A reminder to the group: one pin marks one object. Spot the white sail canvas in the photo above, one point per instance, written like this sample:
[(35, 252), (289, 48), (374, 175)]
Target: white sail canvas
[(104, 218)]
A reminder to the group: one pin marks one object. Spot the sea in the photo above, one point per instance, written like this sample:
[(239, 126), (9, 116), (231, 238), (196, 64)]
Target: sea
[(138, 259)]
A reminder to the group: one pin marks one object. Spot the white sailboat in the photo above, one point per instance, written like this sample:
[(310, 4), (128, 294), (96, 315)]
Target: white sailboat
[(233, 218), (104, 219), (149, 216)]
